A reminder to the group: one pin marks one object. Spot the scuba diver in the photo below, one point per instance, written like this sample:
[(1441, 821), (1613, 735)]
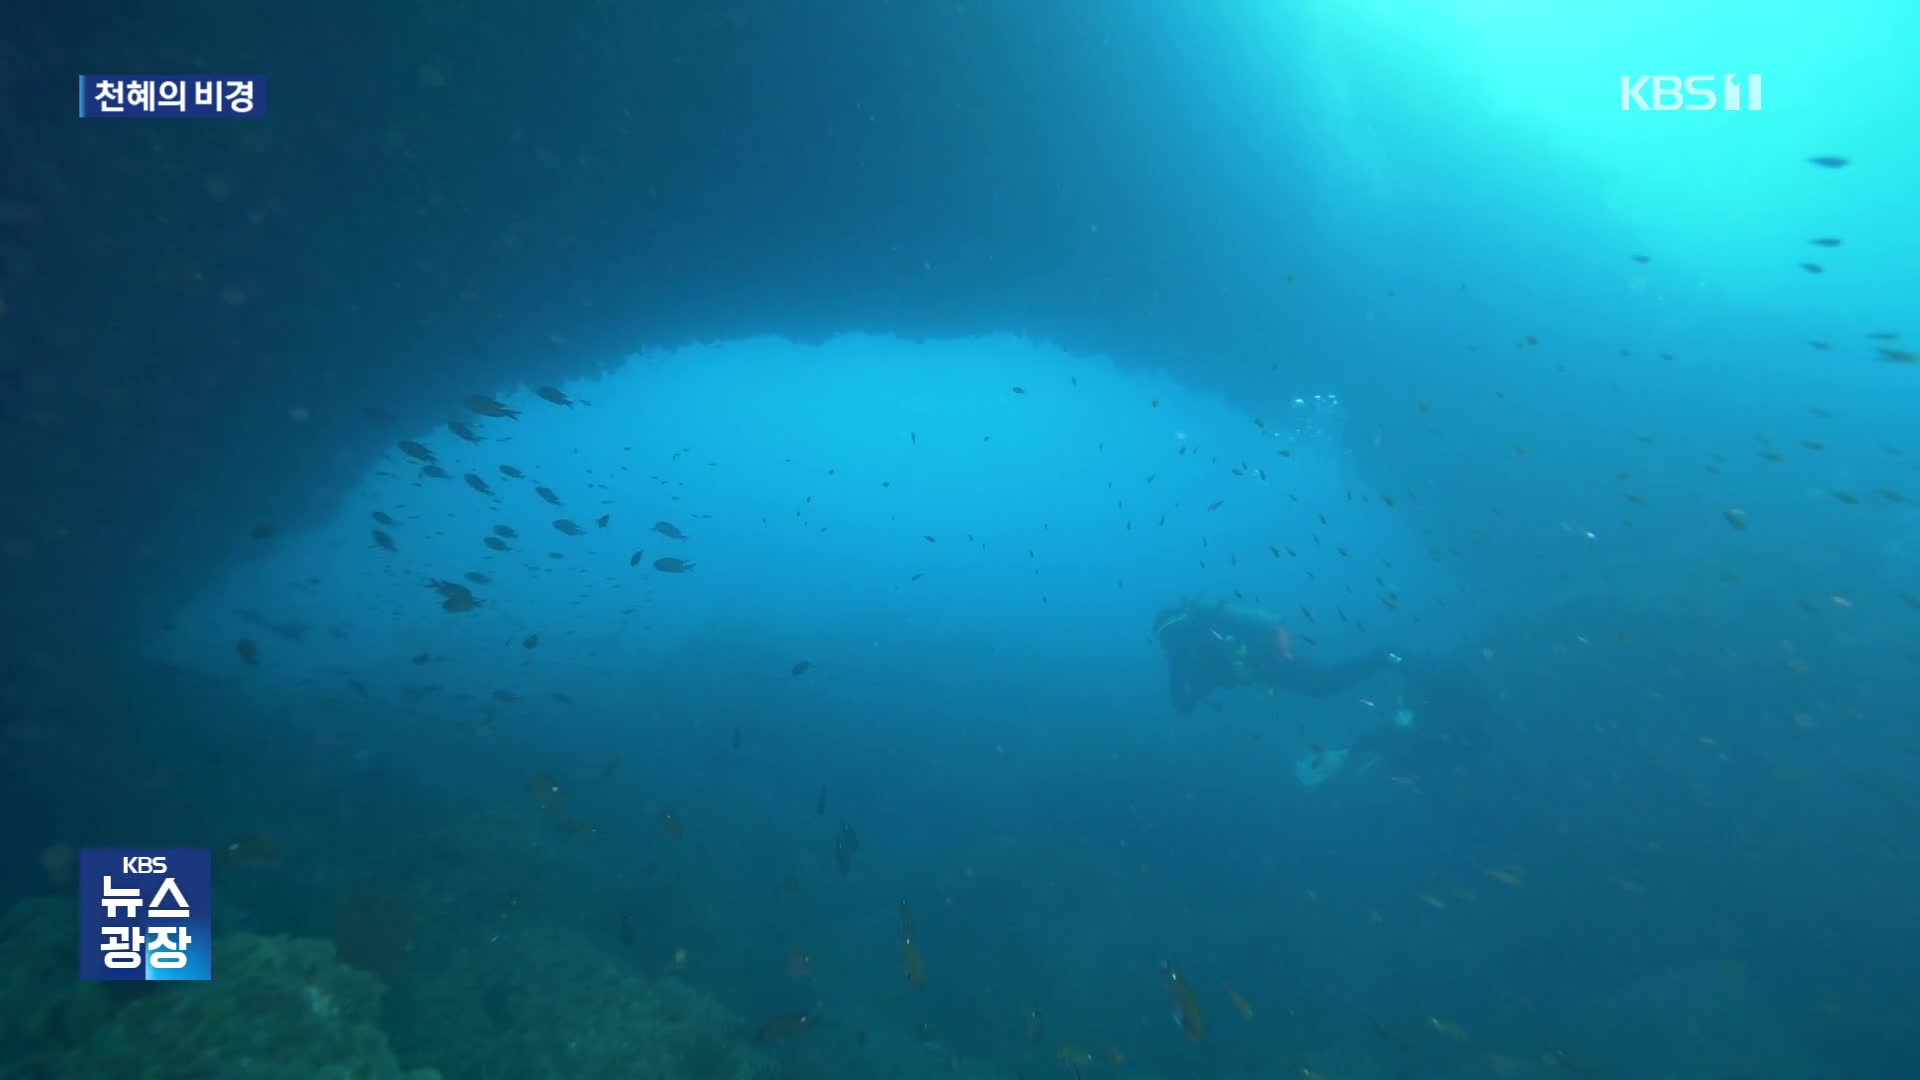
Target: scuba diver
[(1223, 645), (1439, 720)]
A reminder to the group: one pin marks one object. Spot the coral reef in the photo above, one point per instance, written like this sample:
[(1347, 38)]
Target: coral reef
[(543, 1001), (277, 1007)]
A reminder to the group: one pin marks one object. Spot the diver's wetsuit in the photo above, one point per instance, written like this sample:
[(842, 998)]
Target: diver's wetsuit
[(1217, 646)]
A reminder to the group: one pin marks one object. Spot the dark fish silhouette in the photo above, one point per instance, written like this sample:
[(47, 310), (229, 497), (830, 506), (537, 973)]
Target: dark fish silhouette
[(1828, 161)]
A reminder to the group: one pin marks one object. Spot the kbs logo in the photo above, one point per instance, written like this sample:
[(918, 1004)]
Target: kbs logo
[(1688, 93)]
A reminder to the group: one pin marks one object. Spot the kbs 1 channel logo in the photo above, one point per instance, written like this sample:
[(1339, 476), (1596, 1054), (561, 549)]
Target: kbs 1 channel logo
[(1689, 93), (147, 914), (172, 95)]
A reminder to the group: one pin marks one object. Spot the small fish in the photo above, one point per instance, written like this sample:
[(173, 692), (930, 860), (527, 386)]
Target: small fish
[(436, 472), (673, 566), (844, 845), (248, 849), (385, 541), (248, 652), (463, 431), (505, 532), (568, 527), (455, 597), (930, 540), (545, 790), (602, 520), (1186, 1005), (1813, 268), (784, 1026), (476, 483), (639, 553), (415, 451), (1643, 259), (910, 959), (1239, 1003), (532, 642), (486, 406), (669, 530), (1215, 505), (477, 577), (820, 804), (671, 824), (382, 517), (547, 494), (1828, 161), (799, 965), (512, 473), (803, 667), (1736, 517), (554, 395), (1884, 335), (495, 543), (1826, 241), (1019, 389)]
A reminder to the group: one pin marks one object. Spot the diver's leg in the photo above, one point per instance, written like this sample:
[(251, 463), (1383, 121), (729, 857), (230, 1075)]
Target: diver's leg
[(1325, 680), (1180, 690)]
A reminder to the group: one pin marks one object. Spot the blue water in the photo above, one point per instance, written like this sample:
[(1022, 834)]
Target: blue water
[(1387, 321)]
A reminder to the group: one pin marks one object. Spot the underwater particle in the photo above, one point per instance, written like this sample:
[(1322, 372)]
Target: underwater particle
[(1829, 161), (673, 566), (820, 804), (554, 395), (486, 406), (384, 541), (671, 824), (802, 667), (1813, 268), (248, 652), (1736, 517), (568, 527), (547, 494), (669, 530)]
